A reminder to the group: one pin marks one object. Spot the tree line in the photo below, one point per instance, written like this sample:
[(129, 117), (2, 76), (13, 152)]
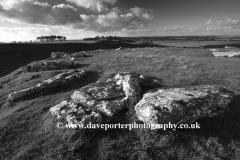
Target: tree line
[(51, 38)]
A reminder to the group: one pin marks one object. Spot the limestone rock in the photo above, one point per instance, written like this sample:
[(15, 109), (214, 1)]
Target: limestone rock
[(182, 105), (49, 65), (60, 55), (214, 50), (63, 55), (98, 100), (79, 54), (109, 97), (228, 51), (61, 79), (75, 114), (226, 54)]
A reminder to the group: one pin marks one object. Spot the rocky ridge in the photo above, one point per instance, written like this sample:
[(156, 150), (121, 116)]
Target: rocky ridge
[(174, 105), (60, 79), (63, 55), (49, 65)]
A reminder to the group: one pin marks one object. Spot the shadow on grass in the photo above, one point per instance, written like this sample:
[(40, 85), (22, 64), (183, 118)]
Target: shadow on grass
[(23, 54), (225, 126), (150, 83)]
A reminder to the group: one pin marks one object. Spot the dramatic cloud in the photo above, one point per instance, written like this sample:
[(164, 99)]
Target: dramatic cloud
[(97, 5), (35, 12), (116, 20)]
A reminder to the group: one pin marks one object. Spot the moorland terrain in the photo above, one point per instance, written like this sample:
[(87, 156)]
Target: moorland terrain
[(23, 124)]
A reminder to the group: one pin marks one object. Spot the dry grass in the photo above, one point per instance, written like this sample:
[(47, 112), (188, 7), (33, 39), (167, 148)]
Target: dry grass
[(26, 131)]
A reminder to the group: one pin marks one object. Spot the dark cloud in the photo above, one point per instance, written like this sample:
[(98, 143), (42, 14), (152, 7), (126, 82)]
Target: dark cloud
[(35, 12)]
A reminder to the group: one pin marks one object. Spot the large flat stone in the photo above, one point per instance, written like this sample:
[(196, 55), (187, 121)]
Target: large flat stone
[(228, 51), (226, 54), (182, 105), (109, 97)]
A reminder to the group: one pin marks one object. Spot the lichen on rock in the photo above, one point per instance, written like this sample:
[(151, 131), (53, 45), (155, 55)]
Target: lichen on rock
[(182, 105), (111, 96), (101, 99), (75, 114)]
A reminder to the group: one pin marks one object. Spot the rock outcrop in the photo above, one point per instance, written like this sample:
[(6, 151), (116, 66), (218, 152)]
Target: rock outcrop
[(226, 54), (79, 54), (63, 55), (111, 96), (182, 105), (59, 55), (49, 65), (102, 98), (61, 79), (228, 51)]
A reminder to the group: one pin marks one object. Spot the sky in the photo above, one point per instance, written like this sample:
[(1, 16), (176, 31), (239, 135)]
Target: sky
[(24, 20)]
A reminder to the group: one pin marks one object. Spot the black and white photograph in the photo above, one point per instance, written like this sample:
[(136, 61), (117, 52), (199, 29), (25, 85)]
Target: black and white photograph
[(119, 79)]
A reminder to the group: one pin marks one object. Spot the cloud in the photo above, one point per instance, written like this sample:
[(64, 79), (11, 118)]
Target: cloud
[(228, 22), (95, 5), (214, 27), (208, 22), (223, 23), (167, 30), (116, 20), (35, 12)]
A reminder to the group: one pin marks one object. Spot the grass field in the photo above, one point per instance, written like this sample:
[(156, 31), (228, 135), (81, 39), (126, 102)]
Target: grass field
[(14, 56), (26, 131), (195, 43)]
